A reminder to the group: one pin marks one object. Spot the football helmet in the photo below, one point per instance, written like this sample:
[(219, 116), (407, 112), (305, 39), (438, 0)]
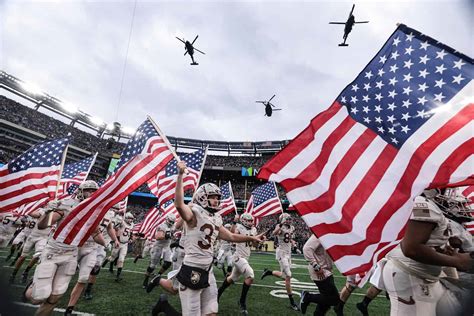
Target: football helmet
[(201, 197), (228, 226), (247, 220), (129, 217), (285, 219), (86, 185), (170, 219)]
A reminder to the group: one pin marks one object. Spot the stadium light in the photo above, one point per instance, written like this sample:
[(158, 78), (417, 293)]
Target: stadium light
[(128, 130), (69, 107), (96, 120), (32, 88)]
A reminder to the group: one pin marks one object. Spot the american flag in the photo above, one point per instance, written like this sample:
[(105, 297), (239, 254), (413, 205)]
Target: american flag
[(150, 219), (136, 228), (264, 201), (29, 208), (404, 124), (227, 200), (73, 175), (468, 192), (167, 208), (123, 205), (163, 185), (145, 154), (33, 175)]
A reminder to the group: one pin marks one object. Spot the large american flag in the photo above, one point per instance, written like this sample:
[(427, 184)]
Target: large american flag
[(163, 185), (150, 219), (165, 209), (145, 154), (468, 192), (264, 201), (33, 175), (29, 208), (227, 200), (404, 124), (74, 174)]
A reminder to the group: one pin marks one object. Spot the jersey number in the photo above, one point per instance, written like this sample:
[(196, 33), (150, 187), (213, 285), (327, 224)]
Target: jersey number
[(7, 220), (286, 237), (126, 232), (207, 237), (32, 224)]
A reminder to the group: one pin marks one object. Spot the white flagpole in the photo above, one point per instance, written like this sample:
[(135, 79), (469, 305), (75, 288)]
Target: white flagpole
[(163, 136), (200, 171), (233, 198), (278, 196), (63, 160)]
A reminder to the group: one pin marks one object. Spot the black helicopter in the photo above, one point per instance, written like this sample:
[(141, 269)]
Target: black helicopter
[(268, 106), (348, 25), (189, 49)]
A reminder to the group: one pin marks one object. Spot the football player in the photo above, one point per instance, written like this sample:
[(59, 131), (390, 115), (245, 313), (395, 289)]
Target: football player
[(163, 235), (58, 260), (284, 232), (124, 233), (8, 225), (198, 289), (19, 238), (241, 266), (225, 254)]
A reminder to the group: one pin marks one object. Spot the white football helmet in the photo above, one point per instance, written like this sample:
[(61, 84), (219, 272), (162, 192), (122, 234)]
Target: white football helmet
[(201, 197), (228, 226), (129, 217), (170, 219), (247, 220), (86, 185), (285, 219)]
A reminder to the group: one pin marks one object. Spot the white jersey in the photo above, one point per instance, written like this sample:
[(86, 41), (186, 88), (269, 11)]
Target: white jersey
[(30, 224), (124, 231), (314, 252), (242, 249), (39, 233), (163, 227), (284, 238), (198, 246), (226, 245), (425, 210), (109, 216), (8, 224), (458, 230), (66, 206)]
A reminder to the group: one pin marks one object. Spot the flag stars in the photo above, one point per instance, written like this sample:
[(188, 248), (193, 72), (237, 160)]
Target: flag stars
[(355, 87), (407, 77), (422, 113), (343, 100), (422, 100), (367, 120), (458, 79), (439, 83), (440, 69), (366, 98), (354, 99), (423, 73), (441, 54), (407, 64), (378, 108), (369, 75), (439, 97), (378, 96), (354, 110), (391, 106), (407, 90), (367, 86), (422, 87), (383, 59), (406, 103), (406, 116), (381, 129), (378, 119), (410, 37), (406, 129), (392, 130), (392, 94), (394, 140), (458, 64), (380, 72), (394, 55), (365, 109), (409, 50), (393, 81), (424, 59), (393, 68), (424, 45), (396, 41)]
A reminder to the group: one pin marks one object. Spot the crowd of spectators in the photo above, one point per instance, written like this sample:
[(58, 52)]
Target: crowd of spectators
[(236, 161)]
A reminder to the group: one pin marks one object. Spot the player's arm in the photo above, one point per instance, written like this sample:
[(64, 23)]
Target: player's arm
[(184, 211), (54, 213), (224, 234), (97, 236), (178, 224), (113, 235), (277, 229), (37, 213)]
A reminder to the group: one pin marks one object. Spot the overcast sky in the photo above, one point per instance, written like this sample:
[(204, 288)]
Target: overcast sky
[(75, 50)]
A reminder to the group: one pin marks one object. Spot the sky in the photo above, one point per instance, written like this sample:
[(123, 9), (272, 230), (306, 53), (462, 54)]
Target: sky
[(88, 53)]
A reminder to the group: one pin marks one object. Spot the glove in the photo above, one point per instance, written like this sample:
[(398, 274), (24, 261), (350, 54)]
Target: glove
[(316, 266)]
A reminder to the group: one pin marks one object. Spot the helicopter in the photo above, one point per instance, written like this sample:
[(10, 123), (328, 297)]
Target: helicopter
[(189, 49), (348, 25), (268, 106)]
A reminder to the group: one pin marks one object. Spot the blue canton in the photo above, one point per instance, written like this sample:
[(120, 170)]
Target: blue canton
[(263, 193), (73, 169), (193, 161), (403, 86), (225, 191)]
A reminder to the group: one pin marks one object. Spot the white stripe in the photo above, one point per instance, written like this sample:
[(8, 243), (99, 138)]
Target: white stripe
[(467, 167), (25, 182), (306, 156), (258, 211), (29, 194)]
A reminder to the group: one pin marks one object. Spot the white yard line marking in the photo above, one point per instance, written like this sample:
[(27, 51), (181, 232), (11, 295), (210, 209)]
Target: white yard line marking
[(60, 310)]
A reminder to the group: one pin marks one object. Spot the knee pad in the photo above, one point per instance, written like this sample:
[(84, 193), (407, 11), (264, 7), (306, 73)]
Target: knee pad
[(95, 270), (166, 265), (150, 269)]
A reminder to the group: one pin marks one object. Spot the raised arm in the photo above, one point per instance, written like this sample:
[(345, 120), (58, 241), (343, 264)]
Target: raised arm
[(183, 210)]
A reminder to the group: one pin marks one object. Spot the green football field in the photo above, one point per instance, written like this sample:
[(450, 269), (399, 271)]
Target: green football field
[(266, 297)]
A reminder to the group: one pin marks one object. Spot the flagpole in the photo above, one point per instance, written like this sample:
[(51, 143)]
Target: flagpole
[(278, 196), (233, 198), (200, 172), (63, 160), (90, 167), (245, 194)]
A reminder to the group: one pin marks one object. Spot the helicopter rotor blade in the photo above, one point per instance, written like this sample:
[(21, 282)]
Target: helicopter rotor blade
[(359, 22), (185, 53), (337, 22), (194, 39), (260, 102), (353, 6), (277, 109), (180, 40), (273, 105), (271, 98), (199, 51)]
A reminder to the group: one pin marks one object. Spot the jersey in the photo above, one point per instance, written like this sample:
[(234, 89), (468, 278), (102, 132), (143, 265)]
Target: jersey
[(66, 206), (226, 245), (124, 231), (166, 229), (424, 210), (109, 216), (314, 252), (199, 243), (9, 224), (284, 238), (30, 224), (242, 249), (458, 230)]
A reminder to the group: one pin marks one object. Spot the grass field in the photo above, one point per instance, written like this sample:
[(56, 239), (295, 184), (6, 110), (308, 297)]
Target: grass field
[(128, 297)]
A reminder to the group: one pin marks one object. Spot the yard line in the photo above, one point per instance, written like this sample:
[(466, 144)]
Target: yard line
[(60, 310)]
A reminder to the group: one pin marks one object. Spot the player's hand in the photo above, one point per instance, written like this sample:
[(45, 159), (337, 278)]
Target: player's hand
[(236, 217), (116, 244), (181, 167), (464, 262), (259, 238)]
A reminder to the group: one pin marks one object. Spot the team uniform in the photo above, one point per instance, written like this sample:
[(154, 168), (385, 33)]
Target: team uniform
[(124, 233), (162, 247), (148, 247), (36, 240), (414, 287), (225, 255), (8, 225), (198, 248), (283, 252), (28, 224), (241, 266)]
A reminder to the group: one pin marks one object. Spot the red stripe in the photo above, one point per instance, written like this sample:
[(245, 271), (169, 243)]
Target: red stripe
[(300, 142), (271, 202), (13, 180), (275, 209), (313, 171), (468, 190), (4, 171), (326, 200), (30, 188), (367, 266), (10, 207), (402, 192)]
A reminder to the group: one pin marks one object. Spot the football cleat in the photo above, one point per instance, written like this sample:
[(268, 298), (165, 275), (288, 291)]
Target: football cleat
[(362, 308), (145, 281), (154, 282), (243, 308), (265, 273), (24, 277), (294, 307), (88, 296)]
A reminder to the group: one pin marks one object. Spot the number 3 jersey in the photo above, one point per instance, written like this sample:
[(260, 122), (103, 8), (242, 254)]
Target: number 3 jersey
[(199, 243), (284, 239), (242, 249)]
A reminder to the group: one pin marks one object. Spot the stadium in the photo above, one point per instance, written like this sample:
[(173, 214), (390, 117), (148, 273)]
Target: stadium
[(279, 173)]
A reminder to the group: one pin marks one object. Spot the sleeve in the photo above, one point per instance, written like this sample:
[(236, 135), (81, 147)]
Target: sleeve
[(309, 249), (426, 211)]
